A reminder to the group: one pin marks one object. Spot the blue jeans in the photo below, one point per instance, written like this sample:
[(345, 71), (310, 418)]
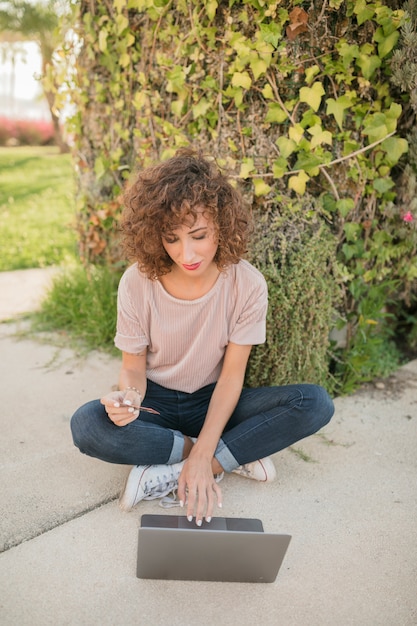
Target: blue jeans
[(265, 420)]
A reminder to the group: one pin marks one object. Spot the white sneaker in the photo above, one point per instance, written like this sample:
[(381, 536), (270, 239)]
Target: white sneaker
[(148, 482), (170, 501), (262, 470)]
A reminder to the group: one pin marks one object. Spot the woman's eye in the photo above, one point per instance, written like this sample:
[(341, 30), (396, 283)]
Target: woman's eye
[(199, 238), (169, 241)]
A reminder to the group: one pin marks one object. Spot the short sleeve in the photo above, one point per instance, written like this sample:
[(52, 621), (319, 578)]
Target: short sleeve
[(130, 335), (250, 327)]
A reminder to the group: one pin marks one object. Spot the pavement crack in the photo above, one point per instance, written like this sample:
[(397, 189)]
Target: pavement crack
[(46, 528)]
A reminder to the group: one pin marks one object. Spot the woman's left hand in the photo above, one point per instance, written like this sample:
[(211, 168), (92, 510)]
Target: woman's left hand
[(198, 488)]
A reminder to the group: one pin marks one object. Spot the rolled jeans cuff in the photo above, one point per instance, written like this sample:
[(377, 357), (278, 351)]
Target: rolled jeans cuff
[(177, 448), (225, 457)]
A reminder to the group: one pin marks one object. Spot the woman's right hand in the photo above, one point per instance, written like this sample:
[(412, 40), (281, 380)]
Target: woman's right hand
[(122, 407)]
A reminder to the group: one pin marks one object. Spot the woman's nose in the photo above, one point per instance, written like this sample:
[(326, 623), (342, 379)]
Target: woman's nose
[(187, 251)]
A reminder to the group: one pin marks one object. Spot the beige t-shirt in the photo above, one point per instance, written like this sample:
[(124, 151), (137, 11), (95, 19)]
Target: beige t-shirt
[(186, 339)]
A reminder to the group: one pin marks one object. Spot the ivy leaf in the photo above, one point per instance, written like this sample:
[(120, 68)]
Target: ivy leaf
[(348, 52), (275, 113), (368, 64), (102, 40), (387, 44), (261, 188), (296, 133), (320, 136), (344, 206), (267, 92), (298, 183), (271, 33), (258, 66), (246, 168), (383, 184), (311, 72), (308, 162), (122, 23), (241, 79), (124, 59), (395, 147), (337, 108), (201, 108), (211, 7), (364, 12), (312, 95), (376, 127), (280, 167), (286, 146)]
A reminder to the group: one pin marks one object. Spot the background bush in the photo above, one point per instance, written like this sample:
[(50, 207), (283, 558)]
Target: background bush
[(26, 132)]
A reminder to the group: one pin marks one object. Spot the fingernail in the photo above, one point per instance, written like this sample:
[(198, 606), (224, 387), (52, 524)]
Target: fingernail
[(116, 405), (128, 402), (199, 522), (131, 410), (208, 519), (220, 505), (181, 503), (190, 518)]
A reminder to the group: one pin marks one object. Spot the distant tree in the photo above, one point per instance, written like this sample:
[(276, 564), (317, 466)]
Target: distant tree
[(36, 21)]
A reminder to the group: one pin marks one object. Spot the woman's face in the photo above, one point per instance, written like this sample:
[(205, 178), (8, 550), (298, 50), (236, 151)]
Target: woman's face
[(192, 248)]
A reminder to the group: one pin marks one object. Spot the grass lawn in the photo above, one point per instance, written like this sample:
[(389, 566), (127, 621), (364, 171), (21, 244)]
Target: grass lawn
[(37, 212)]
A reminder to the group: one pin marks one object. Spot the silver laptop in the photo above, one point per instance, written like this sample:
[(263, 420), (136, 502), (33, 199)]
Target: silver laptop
[(226, 549)]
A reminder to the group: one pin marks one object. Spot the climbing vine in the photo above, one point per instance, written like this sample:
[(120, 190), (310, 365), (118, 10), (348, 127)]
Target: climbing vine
[(294, 99)]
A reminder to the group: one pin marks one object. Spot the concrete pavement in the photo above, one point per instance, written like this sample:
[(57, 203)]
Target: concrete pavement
[(347, 496)]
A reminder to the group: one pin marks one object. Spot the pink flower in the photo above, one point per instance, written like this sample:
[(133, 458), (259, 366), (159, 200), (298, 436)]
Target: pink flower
[(408, 217)]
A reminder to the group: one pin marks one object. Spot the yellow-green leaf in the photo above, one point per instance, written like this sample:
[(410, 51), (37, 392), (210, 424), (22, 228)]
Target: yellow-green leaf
[(368, 64), (122, 23), (102, 40), (298, 183), (261, 188), (258, 67), (387, 44), (320, 136), (211, 7), (246, 168), (311, 72), (280, 167), (296, 133), (286, 146), (267, 92), (275, 113), (241, 79), (395, 148), (124, 59), (201, 108), (337, 108), (312, 95)]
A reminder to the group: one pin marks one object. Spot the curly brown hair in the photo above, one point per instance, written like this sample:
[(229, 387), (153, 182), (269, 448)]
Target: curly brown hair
[(165, 196)]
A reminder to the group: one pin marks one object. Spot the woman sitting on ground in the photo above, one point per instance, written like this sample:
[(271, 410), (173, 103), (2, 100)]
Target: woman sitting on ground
[(189, 310)]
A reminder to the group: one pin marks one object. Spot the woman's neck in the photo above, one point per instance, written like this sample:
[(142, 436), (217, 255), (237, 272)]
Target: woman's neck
[(189, 288)]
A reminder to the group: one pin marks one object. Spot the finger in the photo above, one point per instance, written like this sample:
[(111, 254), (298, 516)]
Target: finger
[(181, 492), (121, 419), (210, 504), (203, 499), (217, 490), (191, 502)]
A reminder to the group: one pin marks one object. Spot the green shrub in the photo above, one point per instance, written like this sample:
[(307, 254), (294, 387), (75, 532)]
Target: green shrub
[(82, 302), (297, 258)]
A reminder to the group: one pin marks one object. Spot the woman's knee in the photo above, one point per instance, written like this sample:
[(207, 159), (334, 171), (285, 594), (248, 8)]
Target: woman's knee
[(323, 406), (84, 423)]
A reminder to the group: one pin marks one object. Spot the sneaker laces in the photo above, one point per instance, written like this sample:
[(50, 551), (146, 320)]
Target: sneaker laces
[(170, 501), (160, 489)]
